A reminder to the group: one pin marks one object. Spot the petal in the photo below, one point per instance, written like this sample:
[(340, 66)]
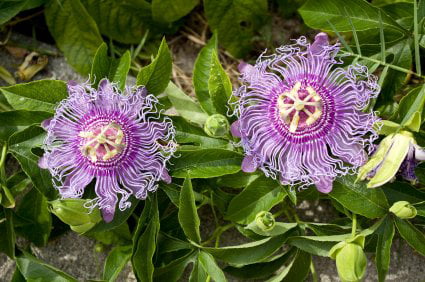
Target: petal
[(248, 164), (392, 161), (108, 214), (245, 68), (320, 41), (42, 162), (45, 123), (166, 177), (419, 153), (377, 158), (235, 129), (324, 184)]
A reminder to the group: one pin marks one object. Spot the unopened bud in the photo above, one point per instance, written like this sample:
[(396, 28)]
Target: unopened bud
[(216, 126), (265, 221), (350, 259), (403, 210)]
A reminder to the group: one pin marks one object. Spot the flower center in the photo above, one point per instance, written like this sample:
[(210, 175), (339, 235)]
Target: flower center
[(299, 107), (102, 142)]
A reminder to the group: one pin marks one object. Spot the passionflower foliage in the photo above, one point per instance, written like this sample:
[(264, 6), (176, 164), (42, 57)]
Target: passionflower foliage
[(300, 119), (114, 138)]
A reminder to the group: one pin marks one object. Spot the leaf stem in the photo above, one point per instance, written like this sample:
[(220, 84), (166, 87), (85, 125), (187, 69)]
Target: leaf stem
[(354, 226), (2, 163), (313, 272), (394, 67)]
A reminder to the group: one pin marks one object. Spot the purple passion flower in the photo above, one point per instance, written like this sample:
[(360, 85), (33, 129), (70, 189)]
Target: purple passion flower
[(301, 121), (113, 137)]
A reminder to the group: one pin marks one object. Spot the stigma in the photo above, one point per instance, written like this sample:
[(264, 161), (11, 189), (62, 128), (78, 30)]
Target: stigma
[(299, 107), (102, 143)]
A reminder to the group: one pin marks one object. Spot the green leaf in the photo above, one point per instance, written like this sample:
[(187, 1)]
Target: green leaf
[(156, 76), (185, 106), (370, 203), (188, 214), (318, 13), (34, 269), (414, 237), (249, 253), (115, 70), (317, 245), (206, 163), (33, 219), (262, 269), (198, 273), (7, 238), (74, 31), (297, 270), (238, 180), (10, 8), (201, 74), (383, 248), (260, 195), (410, 104), (173, 270), (394, 79), (207, 261), (235, 22), (171, 10), (144, 242), (123, 21), (191, 137), (13, 121), (40, 95), (21, 144), (115, 262), (400, 190), (219, 85)]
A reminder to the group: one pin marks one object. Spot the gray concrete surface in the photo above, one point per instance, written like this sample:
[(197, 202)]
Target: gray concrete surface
[(75, 254)]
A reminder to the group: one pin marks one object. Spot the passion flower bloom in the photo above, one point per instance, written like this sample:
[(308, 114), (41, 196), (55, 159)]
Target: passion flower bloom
[(300, 119), (114, 138), (397, 153)]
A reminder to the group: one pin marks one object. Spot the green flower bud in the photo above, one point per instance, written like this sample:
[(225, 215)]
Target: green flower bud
[(265, 221), (350, 259), (99, 248), (216, 126), (73, 213), (403, 209)]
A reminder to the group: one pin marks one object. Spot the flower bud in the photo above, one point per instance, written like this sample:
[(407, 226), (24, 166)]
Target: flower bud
[(403, 210), (265, 221), (75, 214), (350, 259), (216, 125)]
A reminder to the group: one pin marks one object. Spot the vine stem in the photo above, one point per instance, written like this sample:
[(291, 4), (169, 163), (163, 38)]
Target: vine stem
[(2, 163), (313, 272), (354, 226)]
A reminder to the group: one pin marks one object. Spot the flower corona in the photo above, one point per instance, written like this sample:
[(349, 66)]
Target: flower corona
[(113, 137), (300, 119)]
